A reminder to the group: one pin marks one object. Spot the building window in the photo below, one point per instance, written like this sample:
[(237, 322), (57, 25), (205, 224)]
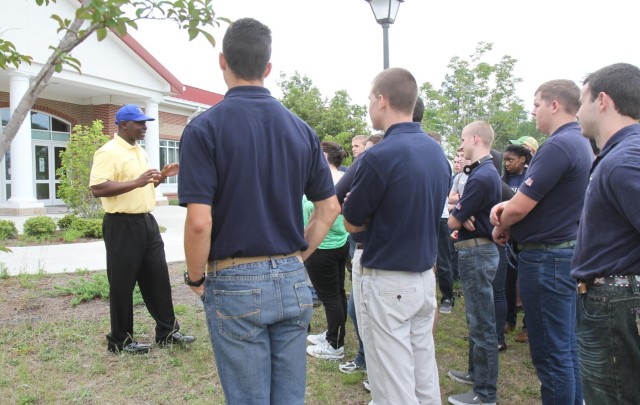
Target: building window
[(169, 154)]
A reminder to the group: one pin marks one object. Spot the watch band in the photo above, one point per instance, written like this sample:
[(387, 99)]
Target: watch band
[(191, 283)]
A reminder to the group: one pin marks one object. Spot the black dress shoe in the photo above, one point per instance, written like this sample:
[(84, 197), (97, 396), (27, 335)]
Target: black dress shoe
[(131, 348), (177, 338)]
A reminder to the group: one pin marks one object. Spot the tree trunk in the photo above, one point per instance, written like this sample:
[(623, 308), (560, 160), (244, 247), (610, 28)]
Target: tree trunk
[(70, 40)]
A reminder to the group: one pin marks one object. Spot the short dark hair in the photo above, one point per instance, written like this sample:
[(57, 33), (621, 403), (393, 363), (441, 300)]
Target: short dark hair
[(418, 111), (399, 86), (375, 139), (564, 91), (335, 153), (436, 136), (621, 82), (520, 151), (246, 47)]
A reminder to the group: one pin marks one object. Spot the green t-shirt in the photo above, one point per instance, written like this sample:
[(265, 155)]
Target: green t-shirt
[(337, 235)]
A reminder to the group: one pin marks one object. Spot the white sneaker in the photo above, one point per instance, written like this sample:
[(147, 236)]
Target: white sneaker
[(317, 339), (325, 351), (366, 385)]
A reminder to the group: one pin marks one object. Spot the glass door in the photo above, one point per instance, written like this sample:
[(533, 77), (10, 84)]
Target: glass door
[(46, 161)]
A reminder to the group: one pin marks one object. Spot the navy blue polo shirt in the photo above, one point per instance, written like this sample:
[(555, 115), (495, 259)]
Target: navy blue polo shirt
[(609, 233), (557, 179), (398, 191), (251, 159), (482, 191)]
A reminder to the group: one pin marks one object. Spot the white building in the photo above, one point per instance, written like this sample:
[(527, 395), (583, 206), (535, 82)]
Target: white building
[(115, 71)]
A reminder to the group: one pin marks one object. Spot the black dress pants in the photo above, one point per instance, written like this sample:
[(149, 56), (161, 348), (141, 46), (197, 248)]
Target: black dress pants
[(326, 269), (135, 253)]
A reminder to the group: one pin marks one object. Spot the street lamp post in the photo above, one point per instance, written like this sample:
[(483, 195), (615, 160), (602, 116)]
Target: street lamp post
[(385, 12)]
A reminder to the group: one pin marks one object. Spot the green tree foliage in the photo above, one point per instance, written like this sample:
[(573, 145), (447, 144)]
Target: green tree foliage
[(100, 16), (475, 90), (76, 167), (335, 119)]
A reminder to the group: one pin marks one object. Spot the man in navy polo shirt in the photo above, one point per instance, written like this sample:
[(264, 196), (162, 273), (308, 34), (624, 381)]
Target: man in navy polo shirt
[(478, 259), (542, 218), (397, 194), (245, 164), (607, 257)]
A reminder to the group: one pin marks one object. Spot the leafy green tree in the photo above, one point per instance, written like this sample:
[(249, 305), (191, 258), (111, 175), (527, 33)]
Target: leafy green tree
[(475, 90), (302, 98), (99, 16), (335, 119), (75, 169)]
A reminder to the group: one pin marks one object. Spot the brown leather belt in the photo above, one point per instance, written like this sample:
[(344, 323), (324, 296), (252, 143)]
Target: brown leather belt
[(463, 244), (235, 261)]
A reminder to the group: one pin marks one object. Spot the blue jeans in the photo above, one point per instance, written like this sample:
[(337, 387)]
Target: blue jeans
[(609, 343), (257, 315), (548, 295), (499, 298), (478, 266)]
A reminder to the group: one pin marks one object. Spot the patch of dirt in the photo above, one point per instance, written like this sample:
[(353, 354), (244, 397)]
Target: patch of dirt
[(31, 299)]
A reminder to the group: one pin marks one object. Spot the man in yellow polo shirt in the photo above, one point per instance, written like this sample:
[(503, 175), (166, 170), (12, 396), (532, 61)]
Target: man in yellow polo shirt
[(125, 183)]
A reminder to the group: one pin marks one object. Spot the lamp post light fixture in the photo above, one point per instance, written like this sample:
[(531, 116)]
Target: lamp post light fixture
[(385, 12)]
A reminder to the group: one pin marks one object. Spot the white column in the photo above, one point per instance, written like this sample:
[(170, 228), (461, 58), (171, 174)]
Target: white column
[(152, 144), (22, 201)]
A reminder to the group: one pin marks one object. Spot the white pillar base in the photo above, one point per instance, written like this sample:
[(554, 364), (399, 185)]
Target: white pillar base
[(26, 207)]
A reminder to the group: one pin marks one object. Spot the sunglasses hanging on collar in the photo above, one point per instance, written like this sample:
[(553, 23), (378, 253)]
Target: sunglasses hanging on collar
[(469, 168)]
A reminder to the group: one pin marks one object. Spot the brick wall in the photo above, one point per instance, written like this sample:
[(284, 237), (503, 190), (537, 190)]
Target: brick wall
[(170, 126)]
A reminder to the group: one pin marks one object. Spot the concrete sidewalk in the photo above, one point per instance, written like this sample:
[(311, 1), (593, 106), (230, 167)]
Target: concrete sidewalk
[(88, 256)]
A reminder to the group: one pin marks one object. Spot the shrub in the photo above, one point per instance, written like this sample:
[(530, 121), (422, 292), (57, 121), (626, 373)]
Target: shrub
[(90, 228), (8, 229), (40, 227), (66, 222), (71, 235), (75, 169), (98, 287)]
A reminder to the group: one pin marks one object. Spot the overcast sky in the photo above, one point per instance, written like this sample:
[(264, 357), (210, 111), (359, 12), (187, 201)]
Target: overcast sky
[(338, 44)]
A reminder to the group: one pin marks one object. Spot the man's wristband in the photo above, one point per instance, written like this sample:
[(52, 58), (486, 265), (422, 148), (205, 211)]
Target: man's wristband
[(190, 283)]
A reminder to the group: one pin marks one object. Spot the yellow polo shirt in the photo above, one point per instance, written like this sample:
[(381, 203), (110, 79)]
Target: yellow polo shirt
[(119, 161)]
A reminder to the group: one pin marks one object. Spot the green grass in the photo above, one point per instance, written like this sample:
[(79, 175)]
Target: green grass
[(63, 359)]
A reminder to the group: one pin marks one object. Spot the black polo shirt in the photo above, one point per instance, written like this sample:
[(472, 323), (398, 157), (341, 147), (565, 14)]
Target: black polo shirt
[(398, 190), (251, 159), (557, 179), (609, 233), (482, 191)]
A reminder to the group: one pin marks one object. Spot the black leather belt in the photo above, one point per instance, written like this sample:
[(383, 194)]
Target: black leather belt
[(611, 281)]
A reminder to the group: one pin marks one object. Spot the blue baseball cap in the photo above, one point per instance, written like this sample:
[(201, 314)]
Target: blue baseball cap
[(131, 112)]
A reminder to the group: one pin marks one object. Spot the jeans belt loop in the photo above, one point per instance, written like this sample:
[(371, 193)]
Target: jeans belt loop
[(463, 244), (218, 265), (545, 246)]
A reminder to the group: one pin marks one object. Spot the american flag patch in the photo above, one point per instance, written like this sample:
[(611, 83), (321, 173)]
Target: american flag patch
[(528, 182)]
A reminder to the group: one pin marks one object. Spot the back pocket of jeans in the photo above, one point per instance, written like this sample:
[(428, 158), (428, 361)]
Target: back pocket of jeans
[(238, 312)]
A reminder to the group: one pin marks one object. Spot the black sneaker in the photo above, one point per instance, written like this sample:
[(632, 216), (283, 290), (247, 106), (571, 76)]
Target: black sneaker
[(131, 348), (446, 306), (177, 338), (468, 398), (461, 376)]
